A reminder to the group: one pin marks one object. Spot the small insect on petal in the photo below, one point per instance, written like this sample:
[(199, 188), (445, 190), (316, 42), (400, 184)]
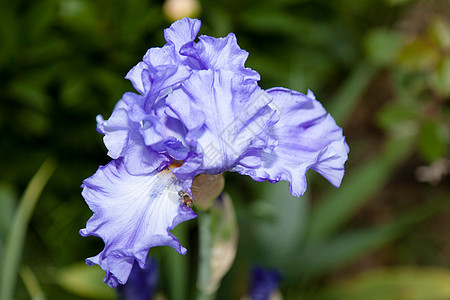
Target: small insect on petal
[(186, 199)]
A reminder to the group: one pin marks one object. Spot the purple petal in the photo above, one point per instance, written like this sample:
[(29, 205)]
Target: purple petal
[(220, 54), (224, 118), (137, 79), (308, 137), (131, 215), (182, 32), (159, 70), (132, 133)]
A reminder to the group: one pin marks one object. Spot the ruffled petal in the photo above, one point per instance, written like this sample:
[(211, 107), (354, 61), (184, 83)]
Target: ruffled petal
[(220, 54), (131, 215), (308, 137), (134, 134), (159, 70), (224, 117), (137, 79), (182, 32)]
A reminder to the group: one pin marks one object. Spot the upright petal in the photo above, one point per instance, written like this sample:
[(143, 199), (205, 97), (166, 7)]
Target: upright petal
[(131, 215), (224, 118), (308, 137), (182, 32), (137, 78), (159, 70), (220, 54)]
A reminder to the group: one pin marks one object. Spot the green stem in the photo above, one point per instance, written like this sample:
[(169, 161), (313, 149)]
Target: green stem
[(204, 257)]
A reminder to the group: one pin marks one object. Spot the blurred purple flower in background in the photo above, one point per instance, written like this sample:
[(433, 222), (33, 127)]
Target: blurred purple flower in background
[(263, 283), (142, 283), (199, 111)]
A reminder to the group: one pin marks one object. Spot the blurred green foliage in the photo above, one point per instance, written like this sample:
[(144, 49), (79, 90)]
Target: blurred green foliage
[(381, 68)]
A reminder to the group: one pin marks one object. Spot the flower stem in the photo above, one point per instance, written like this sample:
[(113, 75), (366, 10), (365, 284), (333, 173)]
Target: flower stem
[(204, 257)]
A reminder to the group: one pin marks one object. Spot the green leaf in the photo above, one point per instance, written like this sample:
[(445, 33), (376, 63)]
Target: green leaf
[(433, 140), (30, 90), (39, 17), (395, 283), (33, 122), (9, 34), (345, 100), (73, 91), (335, 208), (398, 2), (8, 198), (440, 78), (397, 114), (419, 55), (31, 283), (317, 259), (280, 223), (382, 46), (85, 281), (17, 233), (439, 31)]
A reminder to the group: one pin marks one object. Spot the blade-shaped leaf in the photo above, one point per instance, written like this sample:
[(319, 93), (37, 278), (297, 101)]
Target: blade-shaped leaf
[(336, 208)]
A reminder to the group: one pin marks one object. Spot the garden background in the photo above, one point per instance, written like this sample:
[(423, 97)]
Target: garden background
[(381, 68)]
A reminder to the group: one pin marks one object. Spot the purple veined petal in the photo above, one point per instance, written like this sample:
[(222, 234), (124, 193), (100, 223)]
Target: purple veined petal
[(131, 215), (159, 70), (119, 129), (182, 32), (137, 79), (163, 79), (116, 132), (308, 137), (130, 133), (140, 159), (220, 54), (223, 116)]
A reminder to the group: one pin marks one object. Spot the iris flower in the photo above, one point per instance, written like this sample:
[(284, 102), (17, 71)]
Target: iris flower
[(263, 283), (142, 283), (197, 110)]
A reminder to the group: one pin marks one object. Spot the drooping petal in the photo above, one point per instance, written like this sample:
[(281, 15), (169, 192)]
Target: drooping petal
[(220, 54), (308, 137), (224, 118), (131, 215)]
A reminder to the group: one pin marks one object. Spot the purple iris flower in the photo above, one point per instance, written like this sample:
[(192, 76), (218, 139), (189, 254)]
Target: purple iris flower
[(142, 283), (263, 283), (198, 110)]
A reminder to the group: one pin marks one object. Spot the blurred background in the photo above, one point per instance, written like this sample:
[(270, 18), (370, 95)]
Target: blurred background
[(381, 68)]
